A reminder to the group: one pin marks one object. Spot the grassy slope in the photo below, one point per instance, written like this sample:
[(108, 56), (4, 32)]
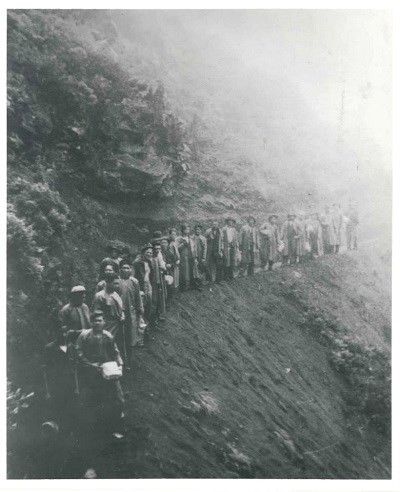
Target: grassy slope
[(233, 385)]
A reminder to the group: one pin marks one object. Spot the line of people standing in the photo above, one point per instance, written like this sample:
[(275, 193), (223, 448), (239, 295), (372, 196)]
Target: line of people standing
[(135, 292)]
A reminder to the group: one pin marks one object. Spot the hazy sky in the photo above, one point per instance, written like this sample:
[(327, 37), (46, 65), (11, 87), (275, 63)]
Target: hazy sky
[(338, 60)]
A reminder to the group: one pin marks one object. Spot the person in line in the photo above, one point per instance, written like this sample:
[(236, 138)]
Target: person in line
[(199, 269), (290, 236), (129, 290), (102, 396), (304, 246), (269, 242), (328, 232), (352, 227), (314, 234), (143, 268), (173, 247), (76, 315), (230, 247), (170, 260), (214, 265), (337, 222), (108, 271), (60, 379), (187, 252), (114, 257), (109, 302), (249, 242), (158, 286)]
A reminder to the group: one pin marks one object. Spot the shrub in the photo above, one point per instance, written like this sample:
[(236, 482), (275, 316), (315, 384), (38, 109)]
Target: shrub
[(366, 369)]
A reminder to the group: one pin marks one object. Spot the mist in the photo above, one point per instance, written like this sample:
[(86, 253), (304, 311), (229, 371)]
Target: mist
[(304, 94)]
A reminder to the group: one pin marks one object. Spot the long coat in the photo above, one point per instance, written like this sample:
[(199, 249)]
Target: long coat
[(314, 236), (228, 260), (337, 221), (214, 244), (144, 274), (328, 231), (214, 251), (159, 288), (77, 318), (130, 294), (200, 253), (303, 236), (290, 235), (175, 269), (269, 242), (112, 307), (249, 241), (188, 253)]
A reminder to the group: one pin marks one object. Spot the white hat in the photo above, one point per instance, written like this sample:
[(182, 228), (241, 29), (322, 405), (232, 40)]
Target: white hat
[(78, 288)]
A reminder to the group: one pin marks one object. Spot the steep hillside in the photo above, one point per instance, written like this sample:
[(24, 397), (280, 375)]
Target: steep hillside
[(283, 375)]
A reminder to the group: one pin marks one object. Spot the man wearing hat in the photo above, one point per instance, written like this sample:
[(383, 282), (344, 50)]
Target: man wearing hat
[(159, 287), (230, 247), (187, 252), (290, 235), (157, 235), (109, 302), (328, 231), (143, 268), (200, 256), (249, 242), (269, 242), (114, 257), (95, 347), (129, 290), (170, 260), (75, 315), (172, 234), (352, 226), (314, 234), (337, 221), (213, 236)]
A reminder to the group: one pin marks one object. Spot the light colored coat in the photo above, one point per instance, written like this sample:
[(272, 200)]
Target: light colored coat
[(328, 231), (228, 261), (175, 269), (188, 253), (290, 235), (130, 294), (269, 242), (337, 221), (314, 236)]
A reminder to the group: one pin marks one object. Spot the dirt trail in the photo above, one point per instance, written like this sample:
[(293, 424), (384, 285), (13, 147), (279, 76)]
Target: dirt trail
[(234, 386)]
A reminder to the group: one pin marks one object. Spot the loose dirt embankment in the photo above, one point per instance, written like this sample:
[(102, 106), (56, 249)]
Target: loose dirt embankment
[(235, 384)]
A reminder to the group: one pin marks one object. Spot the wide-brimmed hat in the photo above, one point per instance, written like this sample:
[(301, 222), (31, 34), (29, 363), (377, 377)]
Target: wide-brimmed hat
[(157, 235), (78, 288), (115, 246), (230, 219), (273, 215), (145, 247)]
